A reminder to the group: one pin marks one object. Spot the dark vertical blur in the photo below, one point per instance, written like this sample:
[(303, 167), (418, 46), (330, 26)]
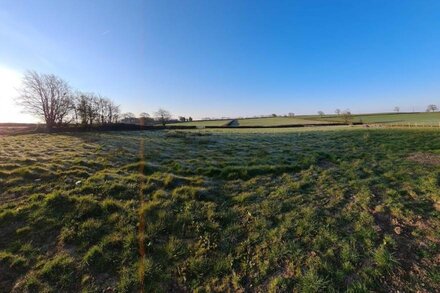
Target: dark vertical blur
[(141, 226)]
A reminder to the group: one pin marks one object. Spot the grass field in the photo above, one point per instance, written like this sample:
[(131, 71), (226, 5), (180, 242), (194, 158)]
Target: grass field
[(203, 123), (16, 128), (404, 119), (248, 211), (396, 118), (275, 121), (267, 121)]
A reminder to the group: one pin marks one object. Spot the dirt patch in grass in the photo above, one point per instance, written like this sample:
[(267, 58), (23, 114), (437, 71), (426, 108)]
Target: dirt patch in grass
[(325, 164), (425, 158), (405, 253)]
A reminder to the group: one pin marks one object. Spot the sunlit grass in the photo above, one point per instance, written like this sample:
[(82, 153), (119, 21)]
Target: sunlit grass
[(307, 210)]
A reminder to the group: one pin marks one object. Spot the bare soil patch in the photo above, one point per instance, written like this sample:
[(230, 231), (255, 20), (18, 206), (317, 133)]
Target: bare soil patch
[(425, 158)]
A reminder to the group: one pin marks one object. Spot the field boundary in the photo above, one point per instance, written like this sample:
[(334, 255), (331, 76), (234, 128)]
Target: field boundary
[(408, 125), (135, 127), (285, 125), (114, 127)]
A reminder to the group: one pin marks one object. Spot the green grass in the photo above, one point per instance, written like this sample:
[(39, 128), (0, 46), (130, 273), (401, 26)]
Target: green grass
[(303, 210), (267, 121), (203, 123), (276, 121), (404, 119), (392, 118)]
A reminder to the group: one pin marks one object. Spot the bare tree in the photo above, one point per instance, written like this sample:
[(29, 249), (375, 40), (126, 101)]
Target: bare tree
[(81, 107), (321, 113), (90, 109), (102, 107), (162, 116), (182, 119), (46, 96), (129, 118), (291, 114), (338, 112), (114, 113), (347, 117), (145, 119), (92, 112), (128, 115), (431, 108), (396, 109), (108, 112), (190, 119)]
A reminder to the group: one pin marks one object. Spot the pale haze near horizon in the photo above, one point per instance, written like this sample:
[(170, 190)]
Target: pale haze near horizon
[(10, 82)]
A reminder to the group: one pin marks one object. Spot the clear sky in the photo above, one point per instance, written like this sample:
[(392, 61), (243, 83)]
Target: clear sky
[(228, 58)]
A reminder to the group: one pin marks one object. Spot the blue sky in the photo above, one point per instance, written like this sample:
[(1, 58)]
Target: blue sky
[(229, 58)]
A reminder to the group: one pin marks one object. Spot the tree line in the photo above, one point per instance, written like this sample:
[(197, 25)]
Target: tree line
[(50, 98)]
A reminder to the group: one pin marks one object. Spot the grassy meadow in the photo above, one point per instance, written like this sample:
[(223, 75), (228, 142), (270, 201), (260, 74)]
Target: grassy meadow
[(265, 121), (276, 121), (345, 209), (404, 119), (201, 123)]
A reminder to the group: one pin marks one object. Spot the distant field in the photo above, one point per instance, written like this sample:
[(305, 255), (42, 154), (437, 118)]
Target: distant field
[(229, 210), (399, 118), (276, 121), (203, 123), (269, 121), (14, 128), (421, 119), (273, 130)]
